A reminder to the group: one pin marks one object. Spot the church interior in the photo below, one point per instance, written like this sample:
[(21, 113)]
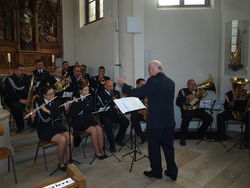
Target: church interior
[(204, 42)]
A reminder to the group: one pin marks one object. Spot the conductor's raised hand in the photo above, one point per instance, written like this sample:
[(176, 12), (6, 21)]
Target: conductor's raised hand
[(121, 81)]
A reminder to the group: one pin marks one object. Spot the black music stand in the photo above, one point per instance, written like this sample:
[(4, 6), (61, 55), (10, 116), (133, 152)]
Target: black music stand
[(71, 160), (210, 138), (136, 150)]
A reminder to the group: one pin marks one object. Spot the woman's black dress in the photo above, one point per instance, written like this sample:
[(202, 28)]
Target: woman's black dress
[(46, 125), (81, 114)]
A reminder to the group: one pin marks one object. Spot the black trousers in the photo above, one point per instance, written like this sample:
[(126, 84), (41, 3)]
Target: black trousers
[(157, 138), (221, 122), (17, 110), (187, 116), (108, 119), (135, 119)]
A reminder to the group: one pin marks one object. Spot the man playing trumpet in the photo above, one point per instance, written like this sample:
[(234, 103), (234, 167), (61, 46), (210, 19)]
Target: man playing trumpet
[(187, 112)]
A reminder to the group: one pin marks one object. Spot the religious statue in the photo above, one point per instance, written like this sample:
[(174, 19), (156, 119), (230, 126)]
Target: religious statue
[(27, 22)]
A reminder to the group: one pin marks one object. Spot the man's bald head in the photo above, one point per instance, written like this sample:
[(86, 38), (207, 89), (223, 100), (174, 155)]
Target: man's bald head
[(109, 86), (154, 67)]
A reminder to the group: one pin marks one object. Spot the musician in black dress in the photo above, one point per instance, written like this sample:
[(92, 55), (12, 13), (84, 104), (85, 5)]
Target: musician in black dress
[(184, 95), (82, 120), (15, 94), (48, 128), (112, 115), (97, 82), (139, 115)]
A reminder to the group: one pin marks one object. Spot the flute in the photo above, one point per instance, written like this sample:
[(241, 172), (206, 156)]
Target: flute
[(74, 100), (29, 114)]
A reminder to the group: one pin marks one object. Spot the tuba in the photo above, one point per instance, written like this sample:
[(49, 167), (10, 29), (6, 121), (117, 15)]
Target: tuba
[(239, 92), (61, 84), (201, 93)]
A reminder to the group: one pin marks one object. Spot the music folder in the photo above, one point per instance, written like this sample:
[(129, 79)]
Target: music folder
[(129, 104)]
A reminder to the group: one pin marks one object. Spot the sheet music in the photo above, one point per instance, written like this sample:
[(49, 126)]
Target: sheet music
[(211, 104), (67, 94), (60, 184), (102, 109), (129, 104)]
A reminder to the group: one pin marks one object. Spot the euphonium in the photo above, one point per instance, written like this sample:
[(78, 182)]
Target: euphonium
[(201, 93), (61, 84), (239, 92)]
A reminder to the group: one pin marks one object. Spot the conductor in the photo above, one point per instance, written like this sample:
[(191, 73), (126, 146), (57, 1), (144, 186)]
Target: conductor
[(160, 124)]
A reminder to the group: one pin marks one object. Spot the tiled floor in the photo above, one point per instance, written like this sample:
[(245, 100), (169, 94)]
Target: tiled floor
[(205, 165)]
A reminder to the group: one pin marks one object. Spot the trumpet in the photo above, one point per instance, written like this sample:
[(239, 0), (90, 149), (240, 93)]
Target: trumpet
[(32, 112), (71, 101)]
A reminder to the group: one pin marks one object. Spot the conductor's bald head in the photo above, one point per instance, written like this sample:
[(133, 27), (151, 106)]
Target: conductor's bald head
[(154, 67)]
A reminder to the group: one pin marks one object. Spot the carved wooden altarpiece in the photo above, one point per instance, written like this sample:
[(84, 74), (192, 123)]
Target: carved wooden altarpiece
[(29, 30)]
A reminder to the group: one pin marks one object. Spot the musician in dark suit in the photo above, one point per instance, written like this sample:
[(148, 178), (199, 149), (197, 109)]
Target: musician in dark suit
[(40, 74), (160, 124), (188, 111), (97, 82), (139, 115), (65, 68), (76, 80), (112, 115), (225, 116), (48, 128), (85, 75), (82, 119), (15, 94)]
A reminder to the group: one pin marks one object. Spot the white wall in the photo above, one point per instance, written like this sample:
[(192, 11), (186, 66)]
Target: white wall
[(94, 43), (185, 41), (68, 30)]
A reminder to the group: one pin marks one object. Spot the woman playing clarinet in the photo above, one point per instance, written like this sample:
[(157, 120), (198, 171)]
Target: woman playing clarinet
[(48, 128), (82, 119)]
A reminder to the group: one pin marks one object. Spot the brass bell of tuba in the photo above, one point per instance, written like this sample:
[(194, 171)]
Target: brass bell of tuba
[(239, 92), (201, 93)]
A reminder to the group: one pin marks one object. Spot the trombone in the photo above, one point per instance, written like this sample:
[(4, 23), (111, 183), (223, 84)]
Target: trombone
[(32, 112)]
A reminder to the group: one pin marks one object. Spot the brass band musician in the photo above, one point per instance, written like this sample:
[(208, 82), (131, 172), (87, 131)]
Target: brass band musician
[(139, 115), (40, 74), (97, 82), (15, 94), (82, 120), (112, 115), (185, 95), (48, 128), (231, 111)]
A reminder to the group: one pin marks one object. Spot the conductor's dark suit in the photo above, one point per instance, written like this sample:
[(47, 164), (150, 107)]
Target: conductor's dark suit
[(160, 125)]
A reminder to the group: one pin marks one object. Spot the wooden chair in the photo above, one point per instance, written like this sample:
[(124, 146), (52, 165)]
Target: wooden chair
[(6, 152), (44, 145)]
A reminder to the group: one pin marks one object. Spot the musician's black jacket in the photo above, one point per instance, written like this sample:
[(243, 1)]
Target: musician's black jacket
[(47, 129), (14, 95), (181, 97), (50, 81), (74, 85), (81, 108), (96, 85), (105, 100), (40, 77), (160, 92)]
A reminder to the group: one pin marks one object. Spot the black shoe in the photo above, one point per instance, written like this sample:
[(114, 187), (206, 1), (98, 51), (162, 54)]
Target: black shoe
[(143, 140), (183, 142), (174, 178), (19, 130), (120, 143), (62, 167), (112, 149), (101, 157), (150, 174)]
